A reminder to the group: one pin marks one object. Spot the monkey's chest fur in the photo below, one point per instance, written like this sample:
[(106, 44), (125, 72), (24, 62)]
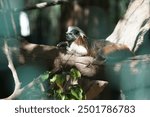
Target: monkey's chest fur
[(100, 50), (79, 47)]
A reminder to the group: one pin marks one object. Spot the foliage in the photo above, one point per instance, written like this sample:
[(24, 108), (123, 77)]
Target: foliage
[(64, 86)]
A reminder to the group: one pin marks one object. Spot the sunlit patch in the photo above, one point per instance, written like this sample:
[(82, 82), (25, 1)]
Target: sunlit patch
[(117, 67), (134, 67), (30, 47), (24, 24), (86, 12), (21, 59)]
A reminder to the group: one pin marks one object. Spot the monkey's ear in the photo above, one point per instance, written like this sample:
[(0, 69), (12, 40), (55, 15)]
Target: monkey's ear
[(84, 36)]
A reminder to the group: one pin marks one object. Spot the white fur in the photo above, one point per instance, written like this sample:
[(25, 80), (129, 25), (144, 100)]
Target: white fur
[(77, 49), (69, 29)]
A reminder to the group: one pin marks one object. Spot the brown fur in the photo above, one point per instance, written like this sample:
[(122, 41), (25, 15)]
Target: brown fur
[(105, 47), (114, 48), (83, 42)]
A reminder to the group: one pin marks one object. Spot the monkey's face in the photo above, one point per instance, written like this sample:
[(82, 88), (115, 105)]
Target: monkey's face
[(73, 33), (77, 41)]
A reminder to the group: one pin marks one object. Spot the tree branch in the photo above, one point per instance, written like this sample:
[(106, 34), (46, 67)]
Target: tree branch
[(142, 32), (17, 90), (130, 26), (13, 70), (43, 5)]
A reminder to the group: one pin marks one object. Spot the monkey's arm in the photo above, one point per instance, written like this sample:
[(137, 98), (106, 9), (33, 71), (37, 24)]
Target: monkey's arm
[(63, 44)]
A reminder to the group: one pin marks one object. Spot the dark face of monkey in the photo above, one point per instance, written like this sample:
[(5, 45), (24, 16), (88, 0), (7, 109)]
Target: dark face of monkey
[(71, 36), (73, 33), (77, 41)]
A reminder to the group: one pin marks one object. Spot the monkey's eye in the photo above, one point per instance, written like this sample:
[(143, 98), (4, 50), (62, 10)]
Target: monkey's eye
[(76, 32), (68, 34)]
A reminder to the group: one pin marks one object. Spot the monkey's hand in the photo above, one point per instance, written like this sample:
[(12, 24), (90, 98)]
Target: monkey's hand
[(63, 44)]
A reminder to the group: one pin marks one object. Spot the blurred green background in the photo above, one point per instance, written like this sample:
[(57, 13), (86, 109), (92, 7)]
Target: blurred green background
[(97, 18), (48, 25)]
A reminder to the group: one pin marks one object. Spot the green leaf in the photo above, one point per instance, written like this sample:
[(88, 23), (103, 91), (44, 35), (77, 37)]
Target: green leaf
[(59, 91), (53, 79), (58, 79), (75, 74), (61, 86), (45, 76), (60, 94), (77, 92)]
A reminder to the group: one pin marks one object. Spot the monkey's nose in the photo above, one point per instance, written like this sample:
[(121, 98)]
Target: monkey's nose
[(68, 36)]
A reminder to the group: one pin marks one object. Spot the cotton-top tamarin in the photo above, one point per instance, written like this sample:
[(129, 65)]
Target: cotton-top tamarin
[(77, 44)]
